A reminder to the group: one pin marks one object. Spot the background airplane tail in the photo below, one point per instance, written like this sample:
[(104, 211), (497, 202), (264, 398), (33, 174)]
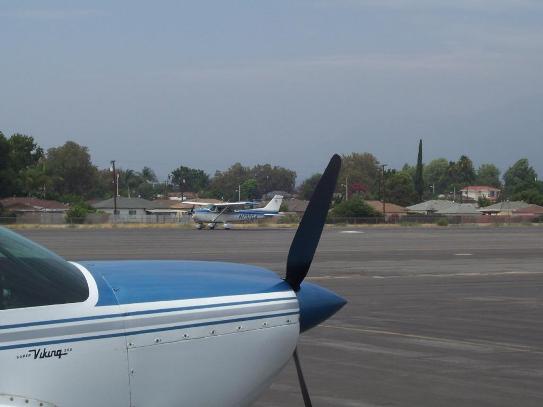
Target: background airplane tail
[(274, 204)]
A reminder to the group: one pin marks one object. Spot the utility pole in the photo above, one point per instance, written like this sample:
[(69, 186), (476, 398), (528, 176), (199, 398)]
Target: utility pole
[(383, 191), (346, 187), (115, 188), (239, 193)]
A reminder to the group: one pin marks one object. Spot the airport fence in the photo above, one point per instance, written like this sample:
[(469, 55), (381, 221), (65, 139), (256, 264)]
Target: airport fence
[(435, 219), (406, 220), (92, 219)]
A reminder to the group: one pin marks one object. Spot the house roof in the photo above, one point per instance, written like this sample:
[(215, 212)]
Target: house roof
[(124, 203), (530, 210), (459, 209), (430, 206), (33, 204), (505, 206), (389, 207), (296, 205), (479, 188)]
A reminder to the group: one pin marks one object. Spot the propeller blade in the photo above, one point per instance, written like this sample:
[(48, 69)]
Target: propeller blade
[(303, 387), (306, 239)]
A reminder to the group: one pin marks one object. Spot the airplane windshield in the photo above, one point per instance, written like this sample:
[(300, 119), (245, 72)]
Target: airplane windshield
[(31, 275)]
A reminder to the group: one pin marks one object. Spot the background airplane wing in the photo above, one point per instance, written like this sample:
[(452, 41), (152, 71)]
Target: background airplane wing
[(234, 204)]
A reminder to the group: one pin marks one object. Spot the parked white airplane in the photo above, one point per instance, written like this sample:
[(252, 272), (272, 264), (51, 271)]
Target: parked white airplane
[(155, 333), (233, 212)]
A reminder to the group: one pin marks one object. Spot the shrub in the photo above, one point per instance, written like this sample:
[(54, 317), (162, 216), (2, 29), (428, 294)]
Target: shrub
[(442, 222), (355, 207), (77, 214)]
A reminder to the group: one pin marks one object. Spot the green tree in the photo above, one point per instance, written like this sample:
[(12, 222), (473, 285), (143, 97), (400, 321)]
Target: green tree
[(103, 184), (190, 179), (147, 174), (409, 169), (361, 169), (352, 208), (531, 196), (225, 183), (71, 170), (436, 174), (6, 185), (419, 178), (488, 174), (17, 154), (35, 181), (129, 180), (23, 152), (520, 177), (461, 173), (147, 190), (274, 178), (307, 187), (483, 202), (249, 189), (400, 189), (465, 170)]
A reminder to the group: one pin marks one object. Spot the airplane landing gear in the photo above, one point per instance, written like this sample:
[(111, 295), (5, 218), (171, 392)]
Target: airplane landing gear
[(211, 226), (200, 226)]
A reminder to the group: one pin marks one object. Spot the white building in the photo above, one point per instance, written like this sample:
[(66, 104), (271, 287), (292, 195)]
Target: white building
[(474, 192)]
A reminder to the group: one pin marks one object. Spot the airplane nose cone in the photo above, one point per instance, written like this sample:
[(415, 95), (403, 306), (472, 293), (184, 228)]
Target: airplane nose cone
[(317, 304)]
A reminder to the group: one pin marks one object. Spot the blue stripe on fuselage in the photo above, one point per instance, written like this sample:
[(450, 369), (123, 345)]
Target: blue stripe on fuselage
[(144, 331), (143, 312)]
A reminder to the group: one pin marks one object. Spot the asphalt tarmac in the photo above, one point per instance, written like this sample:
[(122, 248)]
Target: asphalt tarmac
[(436, 317)]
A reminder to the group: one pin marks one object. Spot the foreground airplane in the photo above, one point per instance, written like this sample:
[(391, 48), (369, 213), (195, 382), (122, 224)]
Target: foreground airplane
[(233, 212), (155, 333)]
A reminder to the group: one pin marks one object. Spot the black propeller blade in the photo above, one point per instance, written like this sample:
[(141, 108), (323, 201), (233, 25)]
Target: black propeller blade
[(306, 239), (303, 387)]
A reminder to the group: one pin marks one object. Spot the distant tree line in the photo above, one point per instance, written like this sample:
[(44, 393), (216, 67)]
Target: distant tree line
[(66, 173)]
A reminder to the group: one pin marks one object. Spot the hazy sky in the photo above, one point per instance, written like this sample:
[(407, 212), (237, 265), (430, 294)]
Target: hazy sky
[(209, 83)]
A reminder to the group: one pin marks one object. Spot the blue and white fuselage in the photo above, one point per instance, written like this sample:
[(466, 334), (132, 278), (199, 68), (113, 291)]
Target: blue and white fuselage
[(228, 213), (151, 333)]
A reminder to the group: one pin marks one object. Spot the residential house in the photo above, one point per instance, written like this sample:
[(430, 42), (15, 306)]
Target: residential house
[(505, 208), (530, 211), (126, 207), (391, 210), (297, 206), (474, 192), (22, 205), (459, 209), (429, 207)]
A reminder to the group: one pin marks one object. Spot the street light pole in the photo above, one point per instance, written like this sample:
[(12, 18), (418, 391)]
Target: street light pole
[(115, 187), (383, 190)]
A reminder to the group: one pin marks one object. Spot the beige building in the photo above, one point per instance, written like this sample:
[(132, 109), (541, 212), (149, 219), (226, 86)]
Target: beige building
[(474, 192)]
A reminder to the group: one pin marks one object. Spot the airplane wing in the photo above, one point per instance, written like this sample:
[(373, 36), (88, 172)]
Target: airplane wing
[(220, 205), (234, 204), (198, 203)]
